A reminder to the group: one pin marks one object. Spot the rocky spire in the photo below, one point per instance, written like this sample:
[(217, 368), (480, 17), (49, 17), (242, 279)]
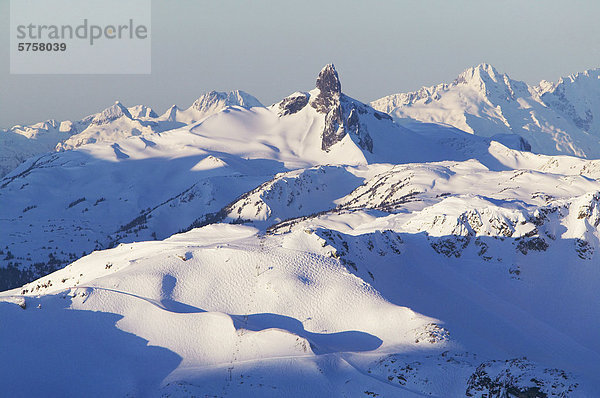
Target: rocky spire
[(330, 89), (329, 81), (341, 112)]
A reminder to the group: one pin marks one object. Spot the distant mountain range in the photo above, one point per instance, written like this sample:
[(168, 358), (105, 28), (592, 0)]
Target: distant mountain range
[(551, 118), (115, 122), (555, 118)]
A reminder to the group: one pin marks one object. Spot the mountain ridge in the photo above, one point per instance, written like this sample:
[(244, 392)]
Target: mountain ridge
[(555, 118), (114, 122)]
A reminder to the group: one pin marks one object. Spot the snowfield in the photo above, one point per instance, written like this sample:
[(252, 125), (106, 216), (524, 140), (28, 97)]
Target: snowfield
[(222, 306), (314, 247)]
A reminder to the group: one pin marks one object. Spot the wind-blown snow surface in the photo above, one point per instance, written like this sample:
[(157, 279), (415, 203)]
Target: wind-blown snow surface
[(340, 305), (555, 118), (312, 261)]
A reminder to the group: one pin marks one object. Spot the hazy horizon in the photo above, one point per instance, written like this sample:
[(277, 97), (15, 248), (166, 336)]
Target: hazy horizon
[(273, 49)]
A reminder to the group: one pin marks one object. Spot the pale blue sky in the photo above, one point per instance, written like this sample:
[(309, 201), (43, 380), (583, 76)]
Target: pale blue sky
[(272, 48)]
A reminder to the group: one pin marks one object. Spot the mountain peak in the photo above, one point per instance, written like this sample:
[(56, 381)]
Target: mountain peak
[(327, 102), (111, 113), (214, 99), (483, 72), (341, 112), (487, 68), (330, 89), (328, 81), (244, 99), (139, 111)]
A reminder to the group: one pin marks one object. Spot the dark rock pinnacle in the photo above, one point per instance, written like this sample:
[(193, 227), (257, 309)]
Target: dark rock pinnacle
[(341, 112)]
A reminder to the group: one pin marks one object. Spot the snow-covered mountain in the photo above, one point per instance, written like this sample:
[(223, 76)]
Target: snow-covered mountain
[(22, 142), (555, 118), (313, 247), (209, 104), (112, 124), (105, 191)]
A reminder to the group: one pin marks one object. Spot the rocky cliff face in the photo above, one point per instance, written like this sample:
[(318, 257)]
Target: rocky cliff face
[(293, 103), (341, 112), (330, 90), (344, 116)]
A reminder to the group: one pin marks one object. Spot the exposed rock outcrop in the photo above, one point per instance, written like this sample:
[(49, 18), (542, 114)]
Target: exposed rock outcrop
[(342, 112)]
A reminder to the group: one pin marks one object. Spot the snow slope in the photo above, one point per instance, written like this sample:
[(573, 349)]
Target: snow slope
[(553, 118), (310, 248), (336, 306)]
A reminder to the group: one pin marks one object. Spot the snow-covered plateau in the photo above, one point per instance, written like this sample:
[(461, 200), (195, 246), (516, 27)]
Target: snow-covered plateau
[(316, 247)]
